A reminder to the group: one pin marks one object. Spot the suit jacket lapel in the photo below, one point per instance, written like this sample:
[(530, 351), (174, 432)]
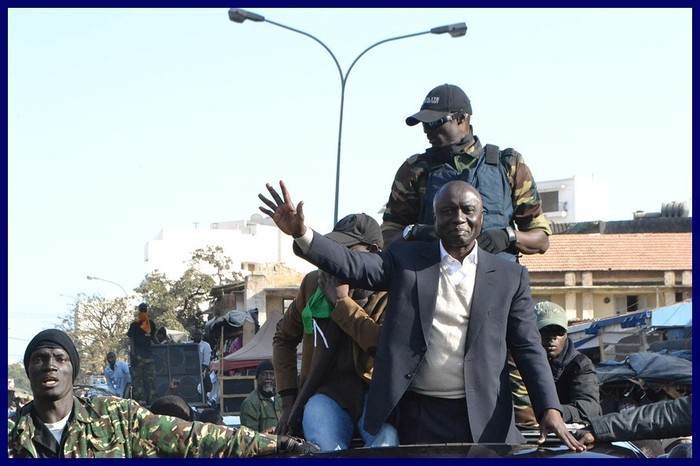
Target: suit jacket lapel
[(485, 288), (427, 279)]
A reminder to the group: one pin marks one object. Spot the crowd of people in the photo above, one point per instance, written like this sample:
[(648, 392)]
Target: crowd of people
[(419, 330), (462, 346)]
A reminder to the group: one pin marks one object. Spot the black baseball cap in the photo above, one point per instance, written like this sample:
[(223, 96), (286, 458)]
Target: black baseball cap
[(440, 102), (357, 229)]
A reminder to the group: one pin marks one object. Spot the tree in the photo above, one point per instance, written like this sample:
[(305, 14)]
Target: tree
[(219, 263), (163, 304), (16, 372), (177, 304), (97, 326)]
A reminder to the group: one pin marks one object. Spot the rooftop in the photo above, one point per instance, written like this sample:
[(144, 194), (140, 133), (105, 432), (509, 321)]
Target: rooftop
[(599, 252)]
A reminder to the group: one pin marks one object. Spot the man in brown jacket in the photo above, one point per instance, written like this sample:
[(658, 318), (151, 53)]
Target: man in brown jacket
[(339, 329)]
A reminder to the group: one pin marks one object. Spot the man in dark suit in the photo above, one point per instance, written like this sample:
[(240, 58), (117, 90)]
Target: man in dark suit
[(454, 310)]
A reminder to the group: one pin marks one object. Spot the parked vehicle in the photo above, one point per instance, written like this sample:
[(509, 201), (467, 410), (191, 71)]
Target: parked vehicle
[(553, 449)]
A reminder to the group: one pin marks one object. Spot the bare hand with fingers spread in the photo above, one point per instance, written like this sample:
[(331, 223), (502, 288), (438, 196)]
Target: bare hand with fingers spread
[(288, 218)]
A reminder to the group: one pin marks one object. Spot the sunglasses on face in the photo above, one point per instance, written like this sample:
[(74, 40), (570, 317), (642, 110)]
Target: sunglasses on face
[(437, 123)]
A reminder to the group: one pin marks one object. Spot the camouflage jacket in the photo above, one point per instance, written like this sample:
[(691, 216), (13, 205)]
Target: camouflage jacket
[(410, 185), (111, 427)]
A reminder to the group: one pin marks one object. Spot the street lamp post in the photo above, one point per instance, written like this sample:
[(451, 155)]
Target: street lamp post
[(454, 30), (90, 277)]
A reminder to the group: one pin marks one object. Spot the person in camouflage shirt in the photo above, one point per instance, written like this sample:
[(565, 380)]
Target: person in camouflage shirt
[(58, 424), (456, 153)]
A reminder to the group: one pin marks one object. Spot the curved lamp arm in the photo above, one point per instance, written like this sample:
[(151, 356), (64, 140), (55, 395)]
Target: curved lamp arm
[(238, 15)]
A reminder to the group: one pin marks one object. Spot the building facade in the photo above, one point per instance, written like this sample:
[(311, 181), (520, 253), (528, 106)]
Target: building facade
[(598, 275)]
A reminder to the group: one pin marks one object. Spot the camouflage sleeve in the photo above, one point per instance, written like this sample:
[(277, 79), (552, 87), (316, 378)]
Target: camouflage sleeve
[(527, 203), (521, 400), (403, 207), (173, 437)]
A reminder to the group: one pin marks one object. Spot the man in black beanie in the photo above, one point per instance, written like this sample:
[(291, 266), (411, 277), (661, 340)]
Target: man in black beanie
[(53, 338), (57, 424), (261, 409)]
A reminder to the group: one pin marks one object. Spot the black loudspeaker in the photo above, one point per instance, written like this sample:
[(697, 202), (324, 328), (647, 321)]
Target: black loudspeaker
[(233, 405), (236, 390), (179, 361)]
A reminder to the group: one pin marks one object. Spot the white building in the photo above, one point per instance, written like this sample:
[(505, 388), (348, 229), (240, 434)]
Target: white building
[(256, 243), (251, 244), (577, 199)]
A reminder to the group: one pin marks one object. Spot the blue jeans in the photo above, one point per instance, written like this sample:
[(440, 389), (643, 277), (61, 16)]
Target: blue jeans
[(330, 427)]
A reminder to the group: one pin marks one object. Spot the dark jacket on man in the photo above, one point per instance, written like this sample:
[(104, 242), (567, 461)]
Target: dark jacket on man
[(577, 385), (501, 318), (663, 419), (342, 370)]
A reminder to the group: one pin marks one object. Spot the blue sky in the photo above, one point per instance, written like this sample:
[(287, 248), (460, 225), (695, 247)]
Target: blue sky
[(125, 121)]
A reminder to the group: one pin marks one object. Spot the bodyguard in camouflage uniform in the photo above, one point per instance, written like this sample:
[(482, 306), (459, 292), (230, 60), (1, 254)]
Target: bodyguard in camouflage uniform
[(59, 425), (502, 178)]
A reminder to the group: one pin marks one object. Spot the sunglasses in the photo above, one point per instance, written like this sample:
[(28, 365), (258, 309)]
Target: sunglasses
[(437, 123)]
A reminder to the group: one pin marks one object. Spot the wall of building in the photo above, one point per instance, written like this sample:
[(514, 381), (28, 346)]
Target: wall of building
[(594, 302), (246, 242), (580, 199)]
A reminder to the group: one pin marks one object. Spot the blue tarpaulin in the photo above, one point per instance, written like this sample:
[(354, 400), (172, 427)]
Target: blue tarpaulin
[(676, 315), (679, 315), (652, 368)]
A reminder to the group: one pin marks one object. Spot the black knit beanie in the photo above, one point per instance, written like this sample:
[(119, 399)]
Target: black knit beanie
[(266, 365), (50, 339)]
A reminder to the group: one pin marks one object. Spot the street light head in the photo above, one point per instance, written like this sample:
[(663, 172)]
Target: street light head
[(454, 30), (238, 16), (458, 30), (92, 277)]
